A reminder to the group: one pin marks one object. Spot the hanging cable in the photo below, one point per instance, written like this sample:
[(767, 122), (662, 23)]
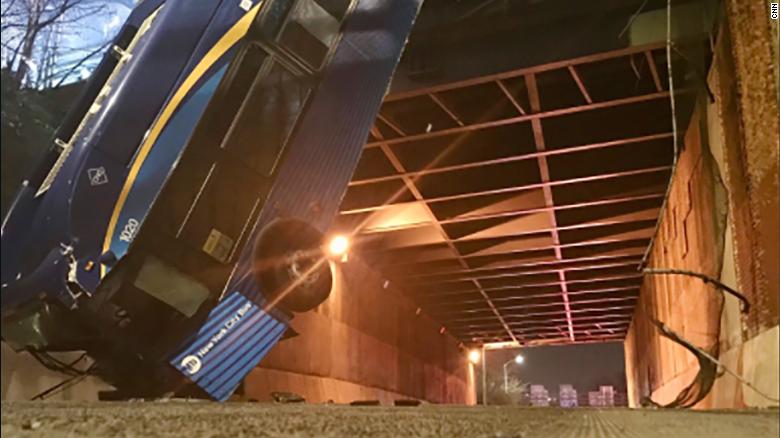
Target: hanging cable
[(701, 384), (675, 144), (708, 372), (632, 18), (745, 304), (710, 368), (63, 385), (53, 364)]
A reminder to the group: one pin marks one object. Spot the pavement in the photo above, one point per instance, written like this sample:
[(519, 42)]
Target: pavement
[(182, 418)]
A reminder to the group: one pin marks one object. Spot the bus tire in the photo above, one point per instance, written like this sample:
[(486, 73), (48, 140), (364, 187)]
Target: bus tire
[(290, 266)]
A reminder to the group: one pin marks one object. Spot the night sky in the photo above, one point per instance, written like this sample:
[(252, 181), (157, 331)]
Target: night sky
[(586, 366)]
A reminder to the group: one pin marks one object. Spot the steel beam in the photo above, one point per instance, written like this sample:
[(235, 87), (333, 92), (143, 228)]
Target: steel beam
[(602, 319), (394, 126), (512, 159), (580, 84), (531, 285), (437, 100), (544, 172), (502, 300), (519, 119), (653, 70), (592, 262), (588, 59), (519, 108), (410, 185), (567, 311), (611, 309), (515, 189), (513, 275)]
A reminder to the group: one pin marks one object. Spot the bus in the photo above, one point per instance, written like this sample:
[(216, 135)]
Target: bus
[(177, 223)]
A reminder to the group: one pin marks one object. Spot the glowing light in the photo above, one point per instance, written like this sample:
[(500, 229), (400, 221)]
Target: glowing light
[(519, 359), (501, 345), (474, 356), (338, 246)]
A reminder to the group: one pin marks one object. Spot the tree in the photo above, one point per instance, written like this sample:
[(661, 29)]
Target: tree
[(42, 40), (515, 394)]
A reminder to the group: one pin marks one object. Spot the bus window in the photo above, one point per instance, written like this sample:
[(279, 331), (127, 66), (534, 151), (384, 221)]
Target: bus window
[(273, 18), (198, 162), (266, 118), (336, 8), (220, 216), (313, 29), (228, 102)]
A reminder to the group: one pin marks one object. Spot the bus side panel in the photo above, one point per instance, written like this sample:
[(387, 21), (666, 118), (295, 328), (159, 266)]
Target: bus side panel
[(154, 168), (154, 165), (327, 144), (235, 337), (160, 160)]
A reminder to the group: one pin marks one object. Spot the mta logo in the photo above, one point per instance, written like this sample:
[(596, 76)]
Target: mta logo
[(191, 364)]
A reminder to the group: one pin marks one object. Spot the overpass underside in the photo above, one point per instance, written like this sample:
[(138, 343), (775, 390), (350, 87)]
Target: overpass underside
[(524, 208)]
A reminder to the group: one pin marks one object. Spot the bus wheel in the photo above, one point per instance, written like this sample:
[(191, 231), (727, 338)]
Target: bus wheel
[(290, 266)]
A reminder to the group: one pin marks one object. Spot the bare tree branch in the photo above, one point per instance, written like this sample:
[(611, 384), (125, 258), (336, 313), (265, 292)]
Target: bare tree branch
[(36, 28), (78, 65)]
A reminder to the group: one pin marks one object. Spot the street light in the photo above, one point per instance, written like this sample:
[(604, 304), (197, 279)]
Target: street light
[(518, 360), (338, 245), (474, 356), (338, 248)]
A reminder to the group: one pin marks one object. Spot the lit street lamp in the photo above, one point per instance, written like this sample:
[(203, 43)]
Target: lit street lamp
[(474, 356), (518, 360)]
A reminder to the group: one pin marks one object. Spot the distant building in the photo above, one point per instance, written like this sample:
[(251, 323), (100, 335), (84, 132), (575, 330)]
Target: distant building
[(567, 396), (604, 397), (539, 396), (607, 394), (621, 399)]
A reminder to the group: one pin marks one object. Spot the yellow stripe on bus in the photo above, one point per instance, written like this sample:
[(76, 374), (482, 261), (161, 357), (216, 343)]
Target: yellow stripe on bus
[(231, 37)]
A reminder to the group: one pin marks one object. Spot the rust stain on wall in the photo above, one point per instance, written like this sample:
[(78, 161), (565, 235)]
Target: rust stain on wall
[(750, 115)]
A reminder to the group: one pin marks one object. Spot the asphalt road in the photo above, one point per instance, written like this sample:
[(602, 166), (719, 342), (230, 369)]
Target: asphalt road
[(207, 419)]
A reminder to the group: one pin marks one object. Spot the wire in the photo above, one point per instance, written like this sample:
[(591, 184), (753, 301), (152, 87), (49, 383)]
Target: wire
[(745, 308), (738, 377), (56, 389), (63, 385), (675, 134), (52, 363), (709, 365), (632, 18), (707, 370), (701, 384)]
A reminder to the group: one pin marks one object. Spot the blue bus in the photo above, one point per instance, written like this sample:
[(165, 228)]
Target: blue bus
[(178, 221)]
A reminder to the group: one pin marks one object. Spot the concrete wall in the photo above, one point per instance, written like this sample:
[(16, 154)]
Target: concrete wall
[(23, 378), (721, 220), (366, 342)]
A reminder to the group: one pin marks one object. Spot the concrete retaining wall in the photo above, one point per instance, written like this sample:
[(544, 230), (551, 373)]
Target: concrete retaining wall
[(721, 220), (366, 342)]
